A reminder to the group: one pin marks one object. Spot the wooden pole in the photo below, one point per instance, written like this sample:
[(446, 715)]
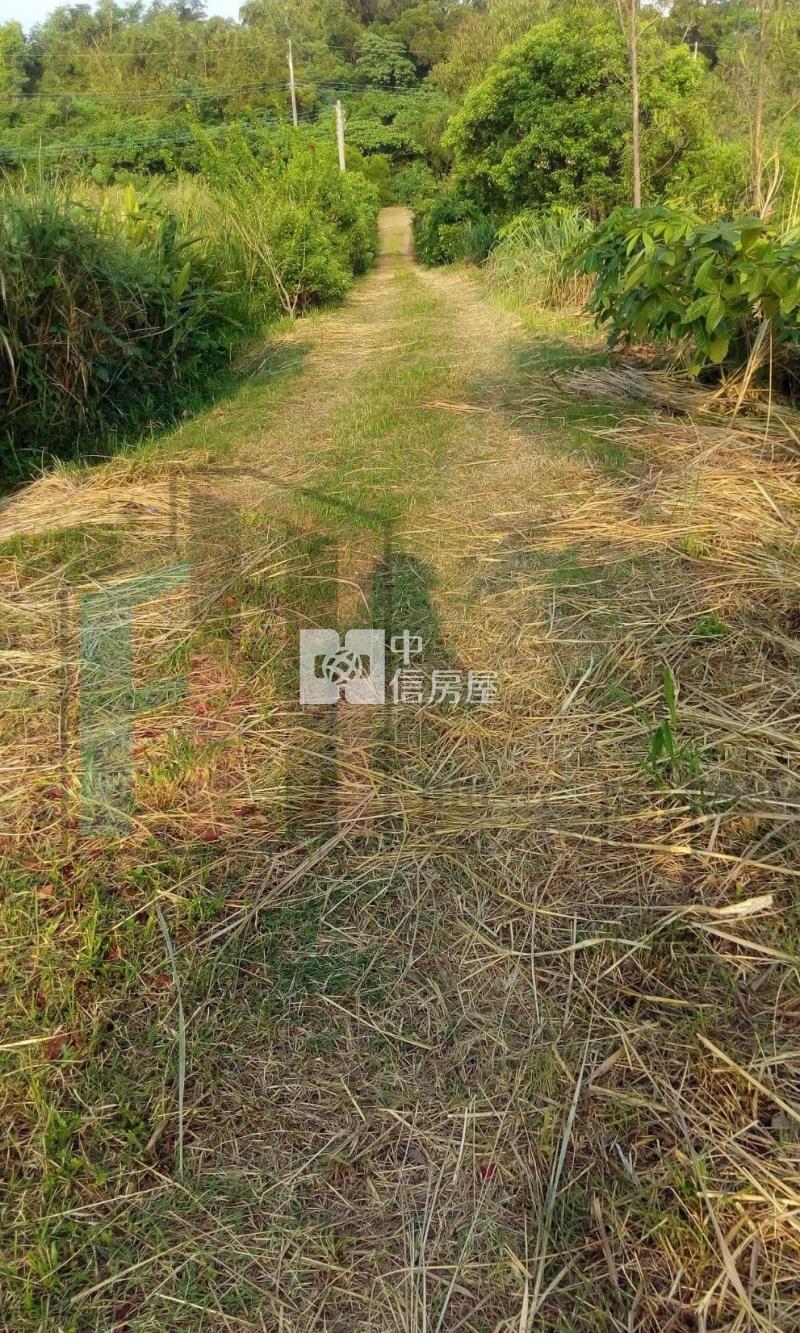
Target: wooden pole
[(340, 134), (634, 55), (757, 137), (291, 85)]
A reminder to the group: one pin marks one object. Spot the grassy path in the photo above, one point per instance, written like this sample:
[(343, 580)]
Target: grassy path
[(423, 1018)]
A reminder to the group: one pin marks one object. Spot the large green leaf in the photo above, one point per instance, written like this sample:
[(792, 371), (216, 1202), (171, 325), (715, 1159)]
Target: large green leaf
[(718, 348)]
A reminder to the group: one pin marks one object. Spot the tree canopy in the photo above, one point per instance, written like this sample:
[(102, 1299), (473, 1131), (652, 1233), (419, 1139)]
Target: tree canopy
[(550, 122)]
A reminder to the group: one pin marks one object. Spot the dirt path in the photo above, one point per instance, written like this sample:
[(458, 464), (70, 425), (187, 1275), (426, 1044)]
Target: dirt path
[(428, 341), (392, 1019)]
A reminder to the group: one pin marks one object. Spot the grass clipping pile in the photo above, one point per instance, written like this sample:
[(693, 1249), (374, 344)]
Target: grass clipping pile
[(498, 1031)]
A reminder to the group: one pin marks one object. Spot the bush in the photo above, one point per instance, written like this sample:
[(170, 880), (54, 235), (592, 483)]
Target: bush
[(305, 228), (536, 259), (712, 178), (713, 289), (451, 229), (377, 167), (106, 325), (414, 185)]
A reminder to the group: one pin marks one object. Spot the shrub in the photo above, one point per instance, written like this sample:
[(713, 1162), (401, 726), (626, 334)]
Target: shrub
[(536, 259), (713, 289), (305, 228), (413, 185), (450, 229), (106, 325), (377, 167), (712, 179)]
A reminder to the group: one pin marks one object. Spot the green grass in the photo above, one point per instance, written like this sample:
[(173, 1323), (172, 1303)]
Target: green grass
[(387, 449), (73, 552), (388, 1022)]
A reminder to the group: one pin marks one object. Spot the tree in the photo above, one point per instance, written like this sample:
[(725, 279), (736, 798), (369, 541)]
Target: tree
[(480, 35), (758, 65), (15, 60), (757, 138), (630, 23), (707, 26), (384, 61), (426, 29), (549, 122)]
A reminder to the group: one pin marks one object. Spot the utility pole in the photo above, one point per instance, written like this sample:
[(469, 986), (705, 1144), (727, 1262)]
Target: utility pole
[(637, 152), (291, 85), (340, 134), (630, 28), (757, 133)]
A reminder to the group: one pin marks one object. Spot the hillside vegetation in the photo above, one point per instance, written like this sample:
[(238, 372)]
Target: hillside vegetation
[(478, 115)]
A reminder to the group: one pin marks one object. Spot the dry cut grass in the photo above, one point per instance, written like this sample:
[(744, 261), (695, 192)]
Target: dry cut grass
[(456, 1019)]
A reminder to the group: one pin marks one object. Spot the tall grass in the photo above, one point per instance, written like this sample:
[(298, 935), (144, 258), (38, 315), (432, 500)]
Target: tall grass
[(116, 313), (108, 324), (206, 219), (534, 261), (303, 227), (237, 269)]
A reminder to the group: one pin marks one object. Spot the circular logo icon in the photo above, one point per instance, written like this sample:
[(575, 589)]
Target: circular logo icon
[(341, 667)]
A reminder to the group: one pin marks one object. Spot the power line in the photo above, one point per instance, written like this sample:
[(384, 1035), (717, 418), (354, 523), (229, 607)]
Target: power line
[(184, 138), (210, 89), (148, 142), (214, 90)]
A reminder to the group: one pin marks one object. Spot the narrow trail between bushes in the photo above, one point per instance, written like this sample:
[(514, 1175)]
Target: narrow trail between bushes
[(452, 1015), (402, 413)]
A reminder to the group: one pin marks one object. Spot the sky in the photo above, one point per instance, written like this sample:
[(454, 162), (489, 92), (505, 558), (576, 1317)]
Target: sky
[(29, 12)]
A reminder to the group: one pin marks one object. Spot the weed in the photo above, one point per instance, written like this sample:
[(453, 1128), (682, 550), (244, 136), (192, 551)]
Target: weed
[(668, 759)]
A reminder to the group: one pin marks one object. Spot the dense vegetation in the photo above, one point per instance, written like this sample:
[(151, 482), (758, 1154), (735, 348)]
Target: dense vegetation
[(712, 288), (119, 313), (108, 322), (115, 93), (494, 119), (118, 309), (549, 123), (544, 132)]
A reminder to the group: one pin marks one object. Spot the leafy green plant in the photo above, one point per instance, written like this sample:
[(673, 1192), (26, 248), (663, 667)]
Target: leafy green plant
[(710, 627), (712, 178), (450, 228), (669, 760), (712, 289)]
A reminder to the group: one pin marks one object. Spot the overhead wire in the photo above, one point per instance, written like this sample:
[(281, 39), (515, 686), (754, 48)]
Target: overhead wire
[(210, 89), (146, 143), (152, 142)]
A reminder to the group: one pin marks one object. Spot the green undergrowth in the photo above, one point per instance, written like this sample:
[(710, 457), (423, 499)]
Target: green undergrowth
[(121, 314)]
